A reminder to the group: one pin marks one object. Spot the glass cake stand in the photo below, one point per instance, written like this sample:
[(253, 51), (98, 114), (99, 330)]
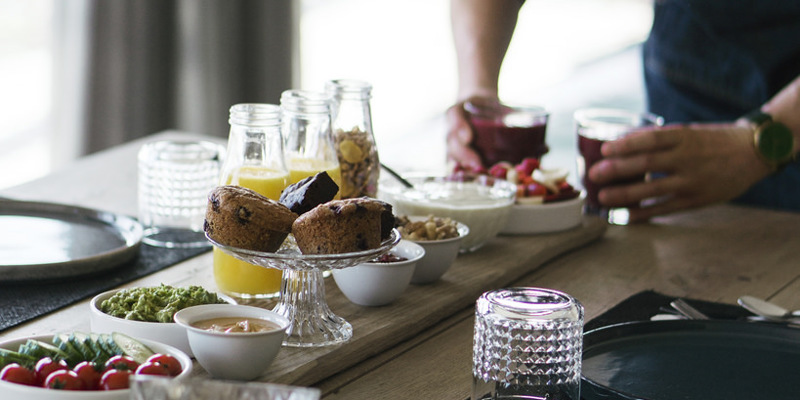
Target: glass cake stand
[(302, 299)]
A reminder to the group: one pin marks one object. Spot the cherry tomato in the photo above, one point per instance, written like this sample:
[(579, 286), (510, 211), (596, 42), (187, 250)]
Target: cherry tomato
[(89, 373), (121, 362), (63, 379), (172, 363), (115, 379), (45, 367), (18, 374), (152, 368)]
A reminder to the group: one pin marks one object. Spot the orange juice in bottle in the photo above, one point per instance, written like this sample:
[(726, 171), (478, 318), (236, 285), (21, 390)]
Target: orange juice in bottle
[(255, 161)]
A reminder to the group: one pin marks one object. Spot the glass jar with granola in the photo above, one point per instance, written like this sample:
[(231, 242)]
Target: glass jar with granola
[(353, 137)]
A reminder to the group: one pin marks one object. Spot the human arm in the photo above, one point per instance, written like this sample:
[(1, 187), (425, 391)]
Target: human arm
[(703, 163), (482, 31)]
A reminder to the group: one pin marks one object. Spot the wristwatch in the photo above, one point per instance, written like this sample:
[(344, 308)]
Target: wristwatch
[(773, 141)]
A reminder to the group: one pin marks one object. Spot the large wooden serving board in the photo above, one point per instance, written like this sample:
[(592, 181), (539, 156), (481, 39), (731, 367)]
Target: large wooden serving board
[(500, 262)]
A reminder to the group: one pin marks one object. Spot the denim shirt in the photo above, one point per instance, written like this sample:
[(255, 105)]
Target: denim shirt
[(716, 60)]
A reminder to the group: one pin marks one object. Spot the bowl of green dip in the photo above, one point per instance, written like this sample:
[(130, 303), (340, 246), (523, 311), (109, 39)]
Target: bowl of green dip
[(146, 312)]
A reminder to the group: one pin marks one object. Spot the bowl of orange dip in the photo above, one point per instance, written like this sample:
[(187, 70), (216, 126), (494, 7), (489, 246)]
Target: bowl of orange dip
[(232, 341)]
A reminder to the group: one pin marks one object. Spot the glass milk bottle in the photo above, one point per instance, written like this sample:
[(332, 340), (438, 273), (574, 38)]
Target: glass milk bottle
[(353, 138), (254, 160), (308, 142)]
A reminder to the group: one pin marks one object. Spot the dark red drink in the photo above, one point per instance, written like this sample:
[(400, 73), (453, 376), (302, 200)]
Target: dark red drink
[(494, 141), (589, 149), (506, 133)]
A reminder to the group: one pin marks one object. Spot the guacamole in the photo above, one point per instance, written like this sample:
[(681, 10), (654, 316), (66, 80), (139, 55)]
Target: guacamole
[(156, 304)]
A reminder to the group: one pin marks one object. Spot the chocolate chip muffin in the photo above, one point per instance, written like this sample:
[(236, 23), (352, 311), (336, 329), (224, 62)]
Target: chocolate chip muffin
[(343, 226), (242, 218)]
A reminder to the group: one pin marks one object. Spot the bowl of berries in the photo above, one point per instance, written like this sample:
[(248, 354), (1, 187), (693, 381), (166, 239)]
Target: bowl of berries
[(545, 201)]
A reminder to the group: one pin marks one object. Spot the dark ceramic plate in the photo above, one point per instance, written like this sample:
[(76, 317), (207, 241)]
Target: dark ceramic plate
[(708, 360), (50, 241)]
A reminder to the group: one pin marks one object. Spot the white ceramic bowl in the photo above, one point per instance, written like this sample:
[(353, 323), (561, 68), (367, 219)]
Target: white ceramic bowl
[(13, 391), (236, 356), (165, 332), (483, 204), (377, 284), (439, 254), (529, 219)]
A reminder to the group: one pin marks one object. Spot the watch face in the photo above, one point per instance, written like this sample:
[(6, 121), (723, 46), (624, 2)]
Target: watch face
[(775, 142)]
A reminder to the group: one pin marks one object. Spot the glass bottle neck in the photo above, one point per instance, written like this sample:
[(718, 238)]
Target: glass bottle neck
[(307, 126), (255, 140)]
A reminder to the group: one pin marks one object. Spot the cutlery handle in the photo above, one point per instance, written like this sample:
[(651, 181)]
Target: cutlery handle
[(687, 310)]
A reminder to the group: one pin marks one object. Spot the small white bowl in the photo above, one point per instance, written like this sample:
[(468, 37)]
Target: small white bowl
[(530, 219), (439, 254), (14, 391), (235, 356), (376, 283), (165, 332)]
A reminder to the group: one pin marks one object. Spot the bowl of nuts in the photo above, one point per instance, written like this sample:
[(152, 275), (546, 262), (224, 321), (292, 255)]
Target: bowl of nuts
[(441, 239)]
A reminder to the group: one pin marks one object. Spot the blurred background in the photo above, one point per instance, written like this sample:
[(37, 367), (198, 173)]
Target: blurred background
[(79, 76)]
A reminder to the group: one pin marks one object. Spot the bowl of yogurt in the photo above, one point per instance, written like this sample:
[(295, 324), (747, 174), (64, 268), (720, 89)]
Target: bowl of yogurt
[(482, 203)]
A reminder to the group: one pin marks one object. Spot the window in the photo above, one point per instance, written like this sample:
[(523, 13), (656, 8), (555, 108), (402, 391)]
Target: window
[(25, 98)]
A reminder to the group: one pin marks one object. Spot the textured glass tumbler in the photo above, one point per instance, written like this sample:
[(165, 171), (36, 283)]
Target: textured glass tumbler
[(528, 345), (174, 180)]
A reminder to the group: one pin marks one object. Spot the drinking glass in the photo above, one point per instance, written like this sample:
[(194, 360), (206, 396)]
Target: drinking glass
[(505, 132), (594, 127), (528, 345), (174, 180)]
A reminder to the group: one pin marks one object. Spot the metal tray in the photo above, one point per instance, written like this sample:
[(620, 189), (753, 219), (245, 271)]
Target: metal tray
[(688, 360), (43, 241)]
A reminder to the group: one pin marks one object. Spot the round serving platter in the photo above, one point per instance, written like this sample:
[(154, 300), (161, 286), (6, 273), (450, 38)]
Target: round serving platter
[(43, 241), (691, 359)]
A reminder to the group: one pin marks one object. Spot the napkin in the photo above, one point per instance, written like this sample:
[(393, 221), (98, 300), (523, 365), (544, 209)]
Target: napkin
[(643, 305), (23, 301)]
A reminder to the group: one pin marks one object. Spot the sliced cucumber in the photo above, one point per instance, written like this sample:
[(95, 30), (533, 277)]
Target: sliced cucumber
[(74, 356), (11, 356), (39, 349), (132, 347), (93, 341), (77, 340), (102, 341), (112, 345)]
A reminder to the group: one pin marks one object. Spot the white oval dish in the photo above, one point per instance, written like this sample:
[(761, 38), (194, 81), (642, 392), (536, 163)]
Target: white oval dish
[(530, 219), (439, 254), (377, 284), (164, 332), (14, 391), (237, 356), (482, 203)]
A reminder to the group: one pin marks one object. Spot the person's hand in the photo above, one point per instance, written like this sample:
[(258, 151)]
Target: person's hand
[(702, 164), (459, 138)]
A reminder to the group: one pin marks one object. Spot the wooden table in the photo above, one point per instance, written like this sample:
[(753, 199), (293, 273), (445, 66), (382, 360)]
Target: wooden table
[(421, 345)]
